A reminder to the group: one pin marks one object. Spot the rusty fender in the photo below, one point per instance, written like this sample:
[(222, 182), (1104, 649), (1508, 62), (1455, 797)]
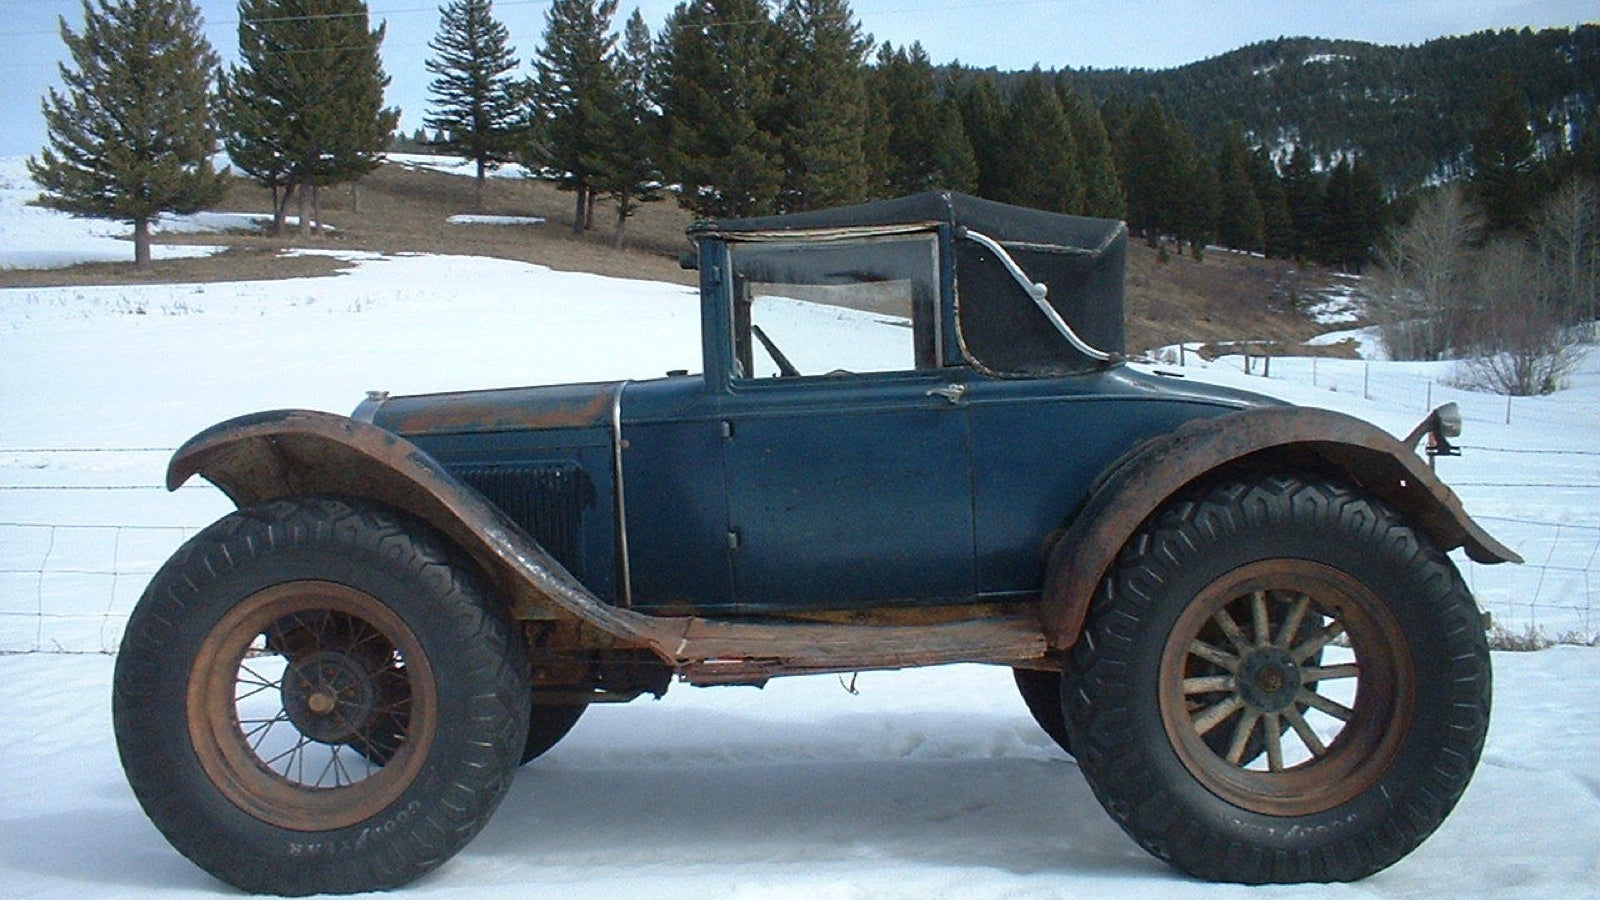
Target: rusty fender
[(1143, 480), (291, 452)]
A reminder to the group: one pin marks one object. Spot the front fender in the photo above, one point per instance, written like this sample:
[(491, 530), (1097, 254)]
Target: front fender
[(1264, 438), (289, 452)]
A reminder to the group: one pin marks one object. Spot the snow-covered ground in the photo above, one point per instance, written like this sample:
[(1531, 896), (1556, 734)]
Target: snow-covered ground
[(930, 783)]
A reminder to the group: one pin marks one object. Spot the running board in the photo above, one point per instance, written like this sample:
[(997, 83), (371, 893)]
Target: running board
[(706, 652)]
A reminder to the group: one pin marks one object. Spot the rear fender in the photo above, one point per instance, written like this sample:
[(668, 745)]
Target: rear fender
[(1261, 439), (290, 452)]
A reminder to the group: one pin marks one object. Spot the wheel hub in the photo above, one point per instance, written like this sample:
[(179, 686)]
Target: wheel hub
[(328, 696), (1269, 680)]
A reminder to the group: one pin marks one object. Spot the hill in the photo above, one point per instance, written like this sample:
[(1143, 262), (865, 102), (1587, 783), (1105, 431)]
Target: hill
[(1411, 111)]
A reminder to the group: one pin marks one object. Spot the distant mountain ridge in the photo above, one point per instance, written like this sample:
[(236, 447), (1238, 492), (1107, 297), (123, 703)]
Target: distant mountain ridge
[(1410, 111)]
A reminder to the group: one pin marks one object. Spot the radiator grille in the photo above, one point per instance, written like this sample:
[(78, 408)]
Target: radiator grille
[(547, 500)]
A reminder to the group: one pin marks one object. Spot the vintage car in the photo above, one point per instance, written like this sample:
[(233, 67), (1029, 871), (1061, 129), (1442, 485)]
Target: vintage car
[(1237, 614)]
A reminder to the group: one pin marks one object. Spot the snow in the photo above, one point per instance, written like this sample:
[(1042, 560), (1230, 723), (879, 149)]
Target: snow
[(456, 165), (494, 220), (928, 783), (32, 237)]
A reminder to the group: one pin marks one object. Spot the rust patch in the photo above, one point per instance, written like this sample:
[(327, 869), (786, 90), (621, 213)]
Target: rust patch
[(512, 409)]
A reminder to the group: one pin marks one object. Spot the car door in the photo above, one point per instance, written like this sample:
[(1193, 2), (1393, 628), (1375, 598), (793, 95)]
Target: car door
[(848, 491)]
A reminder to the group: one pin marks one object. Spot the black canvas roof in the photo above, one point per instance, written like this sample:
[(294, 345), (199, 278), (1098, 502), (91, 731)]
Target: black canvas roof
[(999, 326), (1003, 222)]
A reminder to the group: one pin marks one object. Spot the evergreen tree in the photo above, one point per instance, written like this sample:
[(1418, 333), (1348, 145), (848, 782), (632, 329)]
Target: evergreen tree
[(1302, 188), (631, 175), (905, 82), (1240, 221), (983, 117), (478, 101), (579, 98), (822, 103), (954, 164), (1044, 160), (1199, 194), (133, 135), (1097, 159), (304, 109), (1154, 173), (1502, 160), (1353, 207), (1277, 226), (717, 99)]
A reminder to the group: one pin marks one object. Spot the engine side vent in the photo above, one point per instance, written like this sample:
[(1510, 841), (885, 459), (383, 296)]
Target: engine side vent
[(547, 500)]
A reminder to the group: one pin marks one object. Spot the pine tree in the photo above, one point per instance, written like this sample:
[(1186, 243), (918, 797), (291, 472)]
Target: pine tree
[(1353, 207), (822, 103), (1043, 157), (1302, 188), (983, 116), (578, 97), (1502, 160), (1154, 173), (631, 173), (1199, 195), (954, 164), (717, 99), (478, 101), (133, 135), (1240, 221), (1277, 227), (904, 80), (304, 108), (1097, 158)]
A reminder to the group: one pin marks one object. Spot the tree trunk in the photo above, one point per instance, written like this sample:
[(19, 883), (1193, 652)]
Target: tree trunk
[(316, 209), (305, 209), (280, 208), (141, 242), (624, 210), (578, 206), (478, 188), (588, 214)]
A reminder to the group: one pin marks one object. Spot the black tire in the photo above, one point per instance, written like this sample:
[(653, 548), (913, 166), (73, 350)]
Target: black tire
[(311, 697), (547, 725), (1041, 692), (1167, 704)]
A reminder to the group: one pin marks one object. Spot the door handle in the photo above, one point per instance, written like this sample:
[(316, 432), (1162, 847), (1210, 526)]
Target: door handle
[(951, 392)]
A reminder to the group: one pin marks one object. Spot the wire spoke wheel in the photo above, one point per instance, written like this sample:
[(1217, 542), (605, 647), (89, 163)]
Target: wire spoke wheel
[(1251, 709), (311, 705)]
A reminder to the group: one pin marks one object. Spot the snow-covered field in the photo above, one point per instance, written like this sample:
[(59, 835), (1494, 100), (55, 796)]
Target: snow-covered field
[(930, 783)]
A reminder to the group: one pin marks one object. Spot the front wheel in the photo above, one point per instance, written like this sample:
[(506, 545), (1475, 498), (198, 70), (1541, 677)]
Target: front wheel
[(313, 697), (1280, 681)]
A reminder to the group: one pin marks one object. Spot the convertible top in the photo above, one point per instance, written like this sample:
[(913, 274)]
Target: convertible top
[(1081, 260)]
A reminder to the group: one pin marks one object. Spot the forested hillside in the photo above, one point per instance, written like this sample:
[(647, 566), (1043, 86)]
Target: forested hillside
[(1410, 111)]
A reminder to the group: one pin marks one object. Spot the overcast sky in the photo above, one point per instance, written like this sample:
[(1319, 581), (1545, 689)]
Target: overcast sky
[(1009, 34)]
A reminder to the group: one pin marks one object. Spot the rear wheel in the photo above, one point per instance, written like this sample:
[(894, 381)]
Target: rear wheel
[(1280, 681), (311, 697)]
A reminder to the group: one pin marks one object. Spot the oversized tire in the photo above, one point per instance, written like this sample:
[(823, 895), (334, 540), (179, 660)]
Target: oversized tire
[(1211, 728), (547, 725), (313, 695), (1041, 693)]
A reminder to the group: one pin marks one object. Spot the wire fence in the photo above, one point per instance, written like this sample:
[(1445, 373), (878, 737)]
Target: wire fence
[(71, 588)]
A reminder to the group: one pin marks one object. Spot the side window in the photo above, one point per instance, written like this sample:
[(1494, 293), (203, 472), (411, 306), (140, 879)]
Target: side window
[(835, 307)]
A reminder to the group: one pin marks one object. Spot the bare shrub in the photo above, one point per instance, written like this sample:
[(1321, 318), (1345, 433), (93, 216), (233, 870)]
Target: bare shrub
[(1418, 290), (1519, 341), (1566, 231)]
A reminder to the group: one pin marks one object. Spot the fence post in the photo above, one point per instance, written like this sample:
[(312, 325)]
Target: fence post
[(1366, 382), (1508, 408), (1429, 405)]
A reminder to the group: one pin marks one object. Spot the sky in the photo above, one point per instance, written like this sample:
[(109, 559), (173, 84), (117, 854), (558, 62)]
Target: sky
[(1008, 34)]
